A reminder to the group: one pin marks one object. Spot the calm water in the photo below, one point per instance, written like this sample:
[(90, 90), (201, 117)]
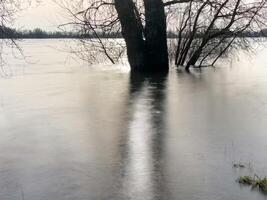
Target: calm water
[(73, 132)]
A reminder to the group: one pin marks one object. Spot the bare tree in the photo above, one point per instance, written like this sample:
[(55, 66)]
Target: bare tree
[(8, 10), (142, 24), (207, 30), (94, 21), (8, 14)]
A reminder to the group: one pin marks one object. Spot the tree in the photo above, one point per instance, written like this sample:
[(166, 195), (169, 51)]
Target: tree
[(206, 28), (142, 24), (8, 11)]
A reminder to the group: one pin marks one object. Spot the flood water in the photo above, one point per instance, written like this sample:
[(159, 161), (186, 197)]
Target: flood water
[(70, 131)]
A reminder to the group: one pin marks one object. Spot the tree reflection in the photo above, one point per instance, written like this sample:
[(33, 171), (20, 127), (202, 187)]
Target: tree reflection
[(143, 144)]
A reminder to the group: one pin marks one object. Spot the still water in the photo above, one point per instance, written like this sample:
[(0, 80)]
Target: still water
[(74, 132)]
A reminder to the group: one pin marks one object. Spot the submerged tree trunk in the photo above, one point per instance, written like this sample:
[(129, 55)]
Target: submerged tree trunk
[(132, 33), (156, 53), (146, 47), (194, 58)]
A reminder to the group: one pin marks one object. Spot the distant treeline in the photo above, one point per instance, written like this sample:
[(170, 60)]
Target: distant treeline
[(42, 34), (262, 33), (39, 34)]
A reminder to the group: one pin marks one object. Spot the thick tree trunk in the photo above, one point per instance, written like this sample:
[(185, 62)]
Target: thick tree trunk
[(156, 52), (146, 49), (132, 33)]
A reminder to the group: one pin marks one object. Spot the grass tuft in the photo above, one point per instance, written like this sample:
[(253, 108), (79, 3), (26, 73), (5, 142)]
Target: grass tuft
[(255, 182)]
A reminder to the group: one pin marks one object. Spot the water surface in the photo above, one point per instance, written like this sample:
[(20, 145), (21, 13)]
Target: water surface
[(74, 132)]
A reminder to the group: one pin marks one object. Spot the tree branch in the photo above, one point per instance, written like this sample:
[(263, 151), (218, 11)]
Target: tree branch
[(168, 3)]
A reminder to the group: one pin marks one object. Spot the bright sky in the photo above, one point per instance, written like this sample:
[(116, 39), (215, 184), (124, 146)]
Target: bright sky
[(48, 15)]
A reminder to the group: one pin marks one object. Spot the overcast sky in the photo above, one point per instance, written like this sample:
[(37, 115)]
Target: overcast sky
[(47, 16)]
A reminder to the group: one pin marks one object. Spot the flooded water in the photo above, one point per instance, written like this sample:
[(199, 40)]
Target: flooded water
[(74, 132)]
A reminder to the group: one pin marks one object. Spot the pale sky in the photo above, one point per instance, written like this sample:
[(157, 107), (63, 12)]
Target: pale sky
[(48, 15)]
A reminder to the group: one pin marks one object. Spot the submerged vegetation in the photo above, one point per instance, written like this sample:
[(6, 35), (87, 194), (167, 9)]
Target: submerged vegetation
[(254, 182)]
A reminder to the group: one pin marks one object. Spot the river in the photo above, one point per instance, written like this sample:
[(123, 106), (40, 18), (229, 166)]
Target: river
[(70, 131)]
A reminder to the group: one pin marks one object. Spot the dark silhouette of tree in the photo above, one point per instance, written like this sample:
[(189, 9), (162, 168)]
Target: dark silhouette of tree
[(142, 24), (206, 30), (209, 29)]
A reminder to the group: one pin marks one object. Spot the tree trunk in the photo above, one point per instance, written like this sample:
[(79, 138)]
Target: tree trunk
[(156, 51), (146, 49), (132, 33), (194, 58), (196, 54)]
